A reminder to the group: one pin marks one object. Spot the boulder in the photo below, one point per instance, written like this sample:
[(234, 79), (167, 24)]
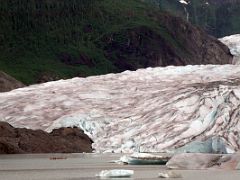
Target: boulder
[(193, 161)]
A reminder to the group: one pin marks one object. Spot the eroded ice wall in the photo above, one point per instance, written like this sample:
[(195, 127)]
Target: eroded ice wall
[(150, 109)]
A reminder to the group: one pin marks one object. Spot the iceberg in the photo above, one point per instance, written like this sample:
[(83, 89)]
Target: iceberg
[(169, 174), (116, 173), (144, 159), (196, 161)]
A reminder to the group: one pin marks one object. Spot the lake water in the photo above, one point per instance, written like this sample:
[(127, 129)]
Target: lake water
[(86, 166)]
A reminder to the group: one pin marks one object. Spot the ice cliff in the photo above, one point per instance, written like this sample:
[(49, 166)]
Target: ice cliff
[(152, 109)]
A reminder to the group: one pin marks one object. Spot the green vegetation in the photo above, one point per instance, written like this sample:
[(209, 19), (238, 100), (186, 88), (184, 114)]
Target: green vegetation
[(36, 35), (42, 40)]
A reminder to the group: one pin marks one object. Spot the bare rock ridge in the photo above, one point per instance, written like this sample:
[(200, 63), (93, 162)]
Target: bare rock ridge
[(144, 47), (217, 17), (63, 140), (8, 83), (154, 109)]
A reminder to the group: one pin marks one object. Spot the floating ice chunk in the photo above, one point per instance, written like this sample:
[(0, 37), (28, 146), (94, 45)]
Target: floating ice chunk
[(229, 150), (144, 158), (169, 174), (124, 159), (116, 173)]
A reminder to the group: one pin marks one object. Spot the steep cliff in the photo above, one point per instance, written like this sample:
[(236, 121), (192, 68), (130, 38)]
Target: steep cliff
[(218, 17)]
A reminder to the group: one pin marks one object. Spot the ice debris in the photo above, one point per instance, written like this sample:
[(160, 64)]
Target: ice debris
[(116, 173), (169, 174), (144, 159)]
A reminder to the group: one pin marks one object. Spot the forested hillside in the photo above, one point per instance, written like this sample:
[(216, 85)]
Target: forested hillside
[(52, 39)]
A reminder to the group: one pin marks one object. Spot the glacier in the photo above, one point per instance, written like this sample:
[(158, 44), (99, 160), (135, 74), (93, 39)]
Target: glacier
[(148, 110)]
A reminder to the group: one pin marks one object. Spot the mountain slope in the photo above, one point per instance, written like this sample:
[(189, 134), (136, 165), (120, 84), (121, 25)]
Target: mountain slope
[(8, 83), (48, 40), (218, 17)]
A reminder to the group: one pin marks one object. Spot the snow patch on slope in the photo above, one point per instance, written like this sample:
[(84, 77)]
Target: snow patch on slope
[(233, 42), (183, 2)]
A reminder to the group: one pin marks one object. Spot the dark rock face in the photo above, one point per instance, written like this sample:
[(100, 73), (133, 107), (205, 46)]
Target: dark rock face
[(143, 47), (200, 48), (217, 17), (63, 140), (8, 83), (46, 77), (82, 59)]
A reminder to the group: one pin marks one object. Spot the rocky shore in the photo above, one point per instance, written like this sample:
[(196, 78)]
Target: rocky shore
[(22, 140)]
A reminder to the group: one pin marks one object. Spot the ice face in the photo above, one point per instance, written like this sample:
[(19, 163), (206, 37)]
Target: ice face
[(149, 110)]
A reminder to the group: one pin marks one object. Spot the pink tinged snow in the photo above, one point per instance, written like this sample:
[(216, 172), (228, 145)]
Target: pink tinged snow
[(233, 42), (149, 110)]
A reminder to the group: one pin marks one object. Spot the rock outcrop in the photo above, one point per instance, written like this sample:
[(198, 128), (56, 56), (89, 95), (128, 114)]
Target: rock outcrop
[(143, 47), (149, 110), (217, 17), (8, 83), (63, 140)]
